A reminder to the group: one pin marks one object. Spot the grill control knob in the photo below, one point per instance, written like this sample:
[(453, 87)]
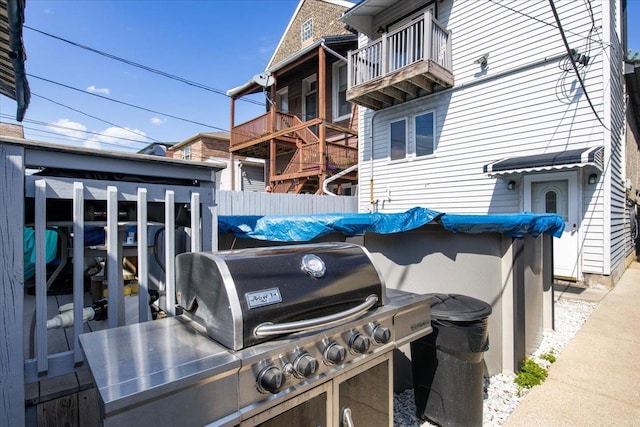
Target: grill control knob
[(271, 380), (381, 335), (335, 354), (305, 366), (359, 343)]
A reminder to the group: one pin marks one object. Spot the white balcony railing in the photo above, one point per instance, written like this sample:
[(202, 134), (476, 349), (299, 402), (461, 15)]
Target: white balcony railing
[(419, 40)]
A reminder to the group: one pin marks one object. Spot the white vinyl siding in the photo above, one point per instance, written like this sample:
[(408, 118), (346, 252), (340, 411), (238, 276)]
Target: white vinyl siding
[(253, 178), (521, 104)]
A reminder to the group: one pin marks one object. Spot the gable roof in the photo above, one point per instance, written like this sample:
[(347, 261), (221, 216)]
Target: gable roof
[(332, 28), (13, 77)]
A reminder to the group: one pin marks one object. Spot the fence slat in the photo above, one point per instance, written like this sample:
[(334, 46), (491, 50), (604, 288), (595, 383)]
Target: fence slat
[(78, 268), (170, 253), (42, 350), (254, 203), (196, 243), (114, 261), (143, 257)]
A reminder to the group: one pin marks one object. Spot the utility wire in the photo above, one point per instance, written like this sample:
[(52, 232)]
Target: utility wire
[(68, 138), (94, 117), (53, 125), (498, 3), (126, 103), (573, 62), (144, 67)]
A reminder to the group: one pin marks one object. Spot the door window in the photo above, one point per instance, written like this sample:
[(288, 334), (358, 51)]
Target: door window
[(551, 197)]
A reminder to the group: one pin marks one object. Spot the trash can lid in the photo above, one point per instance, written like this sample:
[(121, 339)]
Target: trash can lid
[(459, 308)]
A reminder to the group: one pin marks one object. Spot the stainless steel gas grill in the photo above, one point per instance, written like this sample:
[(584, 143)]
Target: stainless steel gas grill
[(308, 330), (249, 296)]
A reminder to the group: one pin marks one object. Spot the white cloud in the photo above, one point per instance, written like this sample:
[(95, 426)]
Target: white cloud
[(112, 138), (68, 128), (157, 121), (93, 89)]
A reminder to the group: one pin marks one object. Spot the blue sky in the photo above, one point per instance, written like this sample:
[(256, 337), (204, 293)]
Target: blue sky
[(217, 43)]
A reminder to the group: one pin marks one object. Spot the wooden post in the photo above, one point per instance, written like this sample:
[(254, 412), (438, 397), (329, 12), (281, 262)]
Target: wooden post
[(231, 140), (272, 144), (12, 290), (272, 161), (322, 109)]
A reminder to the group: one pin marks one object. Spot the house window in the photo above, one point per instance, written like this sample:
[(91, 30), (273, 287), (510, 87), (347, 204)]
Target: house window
[(424, 130), (310, 98), (282, 100), (341, 108), (306, 31), (398, 139), (186, 153)]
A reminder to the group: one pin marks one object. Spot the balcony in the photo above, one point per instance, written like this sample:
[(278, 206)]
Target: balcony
[(252, 138), (404, 64)]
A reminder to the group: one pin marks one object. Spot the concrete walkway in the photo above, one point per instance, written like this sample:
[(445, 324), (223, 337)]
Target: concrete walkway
[(596, 379)]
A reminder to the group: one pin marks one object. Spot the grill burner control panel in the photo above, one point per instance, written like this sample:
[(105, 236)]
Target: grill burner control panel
[(291, 363)]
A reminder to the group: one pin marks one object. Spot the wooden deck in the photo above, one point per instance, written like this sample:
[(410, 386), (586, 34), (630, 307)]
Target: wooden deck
[(72, 399)]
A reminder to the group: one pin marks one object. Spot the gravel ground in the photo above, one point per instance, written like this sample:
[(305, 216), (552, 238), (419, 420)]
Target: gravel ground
[(501, 395)]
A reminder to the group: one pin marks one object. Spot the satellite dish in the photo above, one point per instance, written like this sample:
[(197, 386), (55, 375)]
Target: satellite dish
[(263, 79)]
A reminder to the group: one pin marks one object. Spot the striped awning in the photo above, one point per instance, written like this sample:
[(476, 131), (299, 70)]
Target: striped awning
[(568, 159)]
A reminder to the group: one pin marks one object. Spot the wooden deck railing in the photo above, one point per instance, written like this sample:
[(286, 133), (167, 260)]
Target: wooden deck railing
[(307, 158), (125, 190), (261, 126), (423, 39)]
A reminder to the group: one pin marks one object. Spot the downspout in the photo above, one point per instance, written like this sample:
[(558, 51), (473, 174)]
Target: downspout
[(326, 182), (372, 201)]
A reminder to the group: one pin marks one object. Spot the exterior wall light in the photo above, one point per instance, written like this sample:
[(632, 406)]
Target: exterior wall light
[(511, 185), (593, 178)]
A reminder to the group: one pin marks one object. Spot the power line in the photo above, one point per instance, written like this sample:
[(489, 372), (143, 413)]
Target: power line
[(127, 104), (497, 3), (53, 125), (68, 138), (573, 62), (144, 67), (94, 117)]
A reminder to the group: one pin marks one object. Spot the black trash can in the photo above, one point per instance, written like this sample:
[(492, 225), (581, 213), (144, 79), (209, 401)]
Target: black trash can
[(448, 363)]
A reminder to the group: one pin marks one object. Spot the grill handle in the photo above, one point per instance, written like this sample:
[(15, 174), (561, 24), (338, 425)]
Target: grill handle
[(269, 328)]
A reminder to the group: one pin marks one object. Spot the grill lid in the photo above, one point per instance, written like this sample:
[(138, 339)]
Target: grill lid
[(247, 296)]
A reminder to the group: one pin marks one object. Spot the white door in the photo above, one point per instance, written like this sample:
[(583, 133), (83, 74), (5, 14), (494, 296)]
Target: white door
[(558, 193)]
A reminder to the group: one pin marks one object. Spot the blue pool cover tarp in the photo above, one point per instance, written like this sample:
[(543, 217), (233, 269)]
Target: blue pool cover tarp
[(303, 228)]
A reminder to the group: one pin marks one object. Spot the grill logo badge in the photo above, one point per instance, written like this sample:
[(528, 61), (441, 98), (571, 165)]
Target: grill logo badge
[(262, 298), (313, 266)]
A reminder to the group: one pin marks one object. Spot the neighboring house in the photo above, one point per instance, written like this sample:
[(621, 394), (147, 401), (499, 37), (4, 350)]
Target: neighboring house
[(157, 149), (632, 80), (247, 173), (308, 132), (13, 76), (475, 107)]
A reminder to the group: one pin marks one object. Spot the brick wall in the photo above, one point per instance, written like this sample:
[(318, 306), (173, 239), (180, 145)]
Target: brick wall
[(325, 23), (203, 148)]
